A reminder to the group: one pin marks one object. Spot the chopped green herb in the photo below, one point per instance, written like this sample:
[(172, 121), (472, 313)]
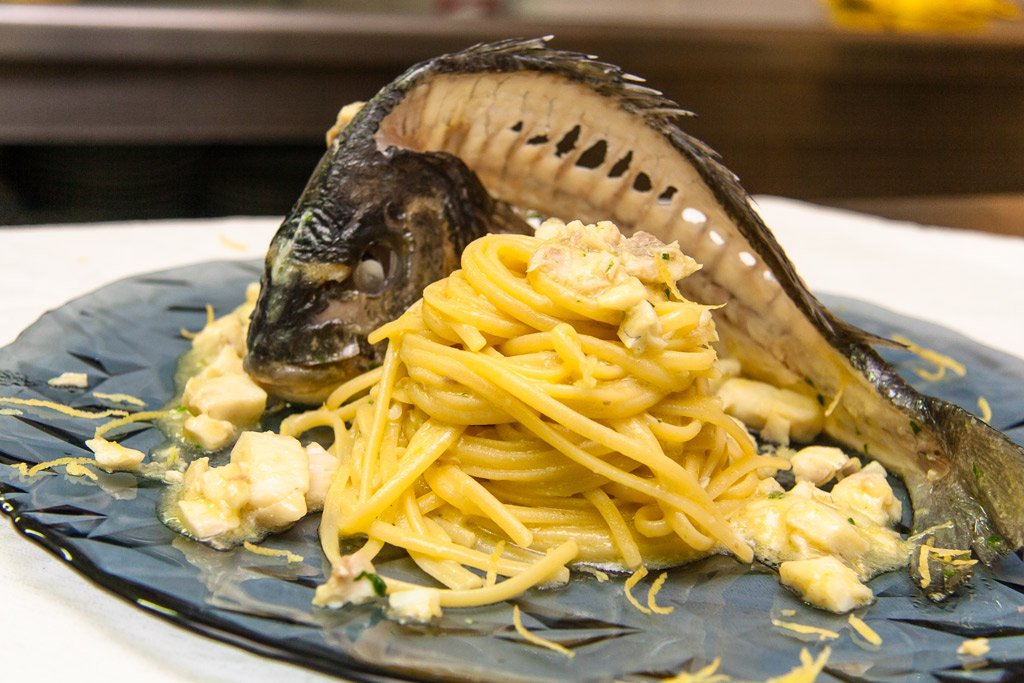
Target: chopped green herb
[(664, 256), (668, 293), (179, 409), (851, 521), (866, 450), (810, 382), (976, 471), (775, 495), (821, 400), (995, 542), (948, 573), (610, 265), (914, 427), (379, 587)]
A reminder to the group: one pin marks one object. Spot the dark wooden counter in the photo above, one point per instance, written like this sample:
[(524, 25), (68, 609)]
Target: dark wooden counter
[(796, 107)]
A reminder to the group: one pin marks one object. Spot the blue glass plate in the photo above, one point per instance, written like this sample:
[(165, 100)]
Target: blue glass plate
[(126, 338)]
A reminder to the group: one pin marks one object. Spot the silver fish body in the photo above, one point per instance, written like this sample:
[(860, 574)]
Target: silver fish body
[(569, 136)]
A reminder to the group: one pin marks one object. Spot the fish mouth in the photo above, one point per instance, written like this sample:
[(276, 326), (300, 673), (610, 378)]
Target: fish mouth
[(306, 384)]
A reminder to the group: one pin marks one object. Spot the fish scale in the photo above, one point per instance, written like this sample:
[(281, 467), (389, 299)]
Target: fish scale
[(512, 122)]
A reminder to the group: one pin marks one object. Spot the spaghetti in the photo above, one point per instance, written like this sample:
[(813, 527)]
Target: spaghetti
[(547, 404)]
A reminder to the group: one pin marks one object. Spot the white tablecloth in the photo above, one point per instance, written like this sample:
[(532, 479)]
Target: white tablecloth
[(58, 626)]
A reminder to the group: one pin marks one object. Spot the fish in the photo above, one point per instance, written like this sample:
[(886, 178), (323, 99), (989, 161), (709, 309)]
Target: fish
[(465, 143), (370, 232)]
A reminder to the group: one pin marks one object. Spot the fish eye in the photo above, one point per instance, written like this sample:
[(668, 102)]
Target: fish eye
[(394, 213), (369, 276), (371, 273)]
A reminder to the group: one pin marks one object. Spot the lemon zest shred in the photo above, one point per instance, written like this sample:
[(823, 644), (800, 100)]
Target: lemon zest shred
[(985, 409), (941, 361), (210, 317), (595, 572), (61, 408), (635, 578), (963, 563), (922, 564), (75, 467), (866, 632), (517, 621), (142, 416), (11, 412), (492, 563), (272, 552), (705, 675), (804, 629), (22, 468), (653, 592), (808, 669), (120, 398), (70, 380)]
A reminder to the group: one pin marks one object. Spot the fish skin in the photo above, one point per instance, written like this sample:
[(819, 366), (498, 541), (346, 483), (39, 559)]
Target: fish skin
[(771, 321), (417, 211)]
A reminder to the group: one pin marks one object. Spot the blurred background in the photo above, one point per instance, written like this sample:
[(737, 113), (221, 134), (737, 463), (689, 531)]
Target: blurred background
[(145, 109)]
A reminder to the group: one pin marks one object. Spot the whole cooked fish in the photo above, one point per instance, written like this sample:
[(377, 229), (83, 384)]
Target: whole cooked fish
[(436, 158)]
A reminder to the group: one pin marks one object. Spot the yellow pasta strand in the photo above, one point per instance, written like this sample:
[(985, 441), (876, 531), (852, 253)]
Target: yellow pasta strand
[(511, 431)]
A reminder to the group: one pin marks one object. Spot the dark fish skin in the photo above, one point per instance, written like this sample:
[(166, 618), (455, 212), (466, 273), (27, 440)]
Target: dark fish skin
[(572, 137), (412, 212)]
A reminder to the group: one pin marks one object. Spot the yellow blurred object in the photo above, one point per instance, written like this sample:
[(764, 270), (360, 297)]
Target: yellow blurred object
[(920, 15)]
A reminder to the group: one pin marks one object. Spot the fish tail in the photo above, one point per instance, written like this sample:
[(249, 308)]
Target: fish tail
[(989, 471), (989, 466)]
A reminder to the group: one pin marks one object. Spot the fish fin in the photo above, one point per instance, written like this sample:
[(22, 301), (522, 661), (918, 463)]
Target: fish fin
[(950, 521), (507, 218), (989, 467), (850, 331), (978, 505)]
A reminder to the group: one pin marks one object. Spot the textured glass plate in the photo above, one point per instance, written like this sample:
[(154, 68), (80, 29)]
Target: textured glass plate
[(126, 338)]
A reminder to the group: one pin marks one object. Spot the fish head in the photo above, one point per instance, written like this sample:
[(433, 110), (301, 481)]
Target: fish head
[(368, 234)]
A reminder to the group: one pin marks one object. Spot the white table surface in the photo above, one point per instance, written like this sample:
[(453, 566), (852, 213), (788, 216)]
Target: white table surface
[(58, 626)]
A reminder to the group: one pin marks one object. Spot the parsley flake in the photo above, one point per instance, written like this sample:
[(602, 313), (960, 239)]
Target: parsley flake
[(379, 587)]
